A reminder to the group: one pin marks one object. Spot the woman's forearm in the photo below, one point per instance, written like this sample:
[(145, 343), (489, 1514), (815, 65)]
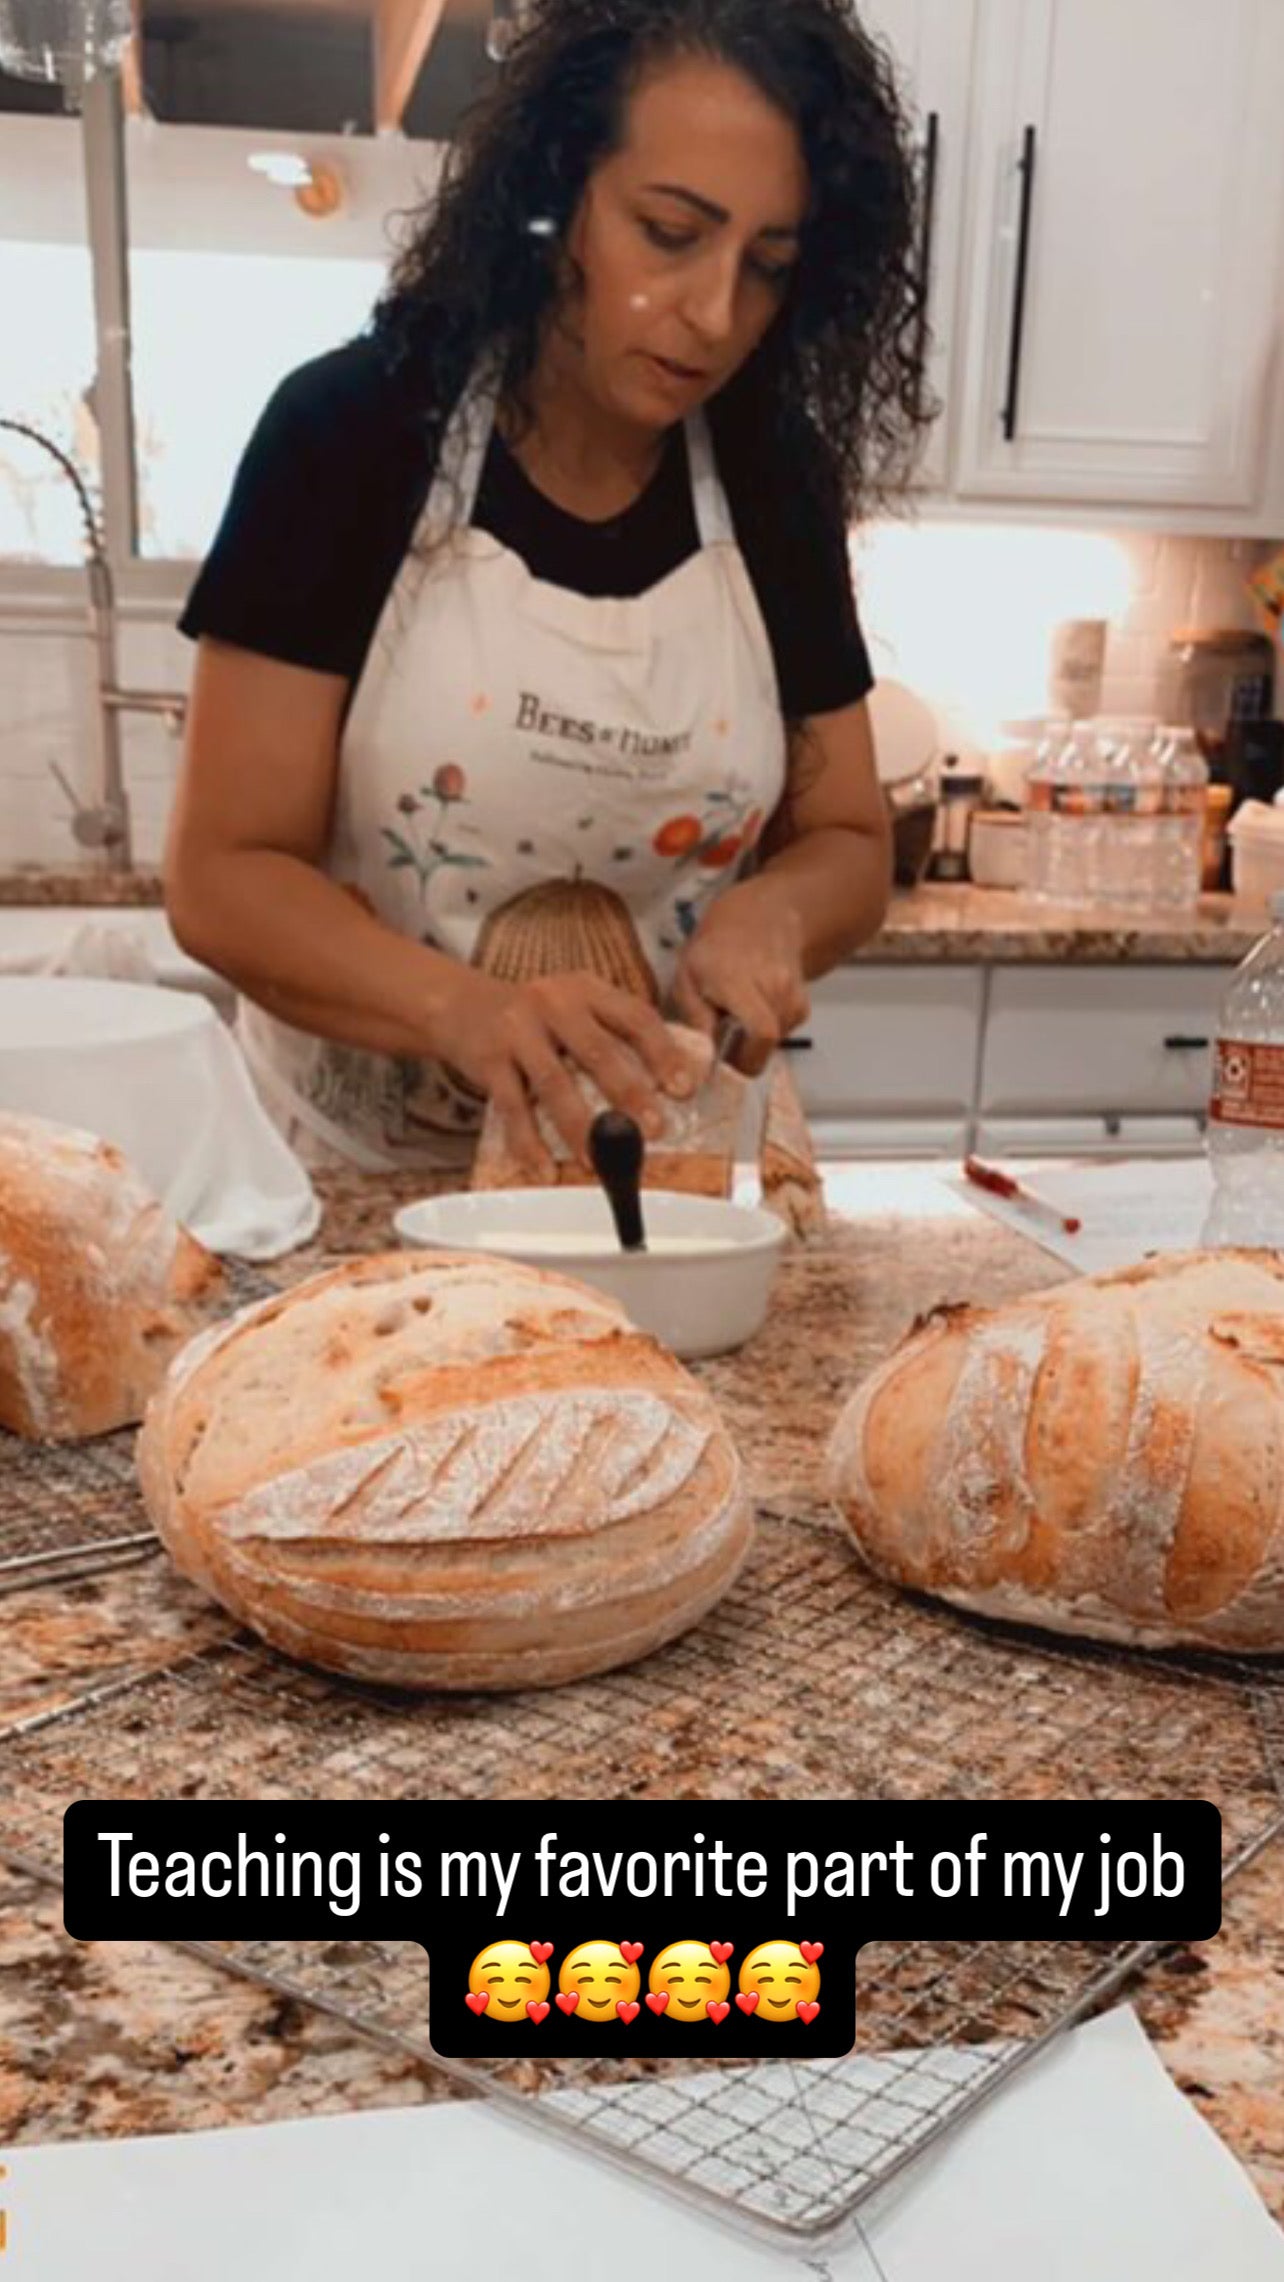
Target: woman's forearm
[(305, 949), (837, 881)]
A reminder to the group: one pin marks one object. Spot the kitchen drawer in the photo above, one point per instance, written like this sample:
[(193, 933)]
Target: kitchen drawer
[(1100, 1040), (887, 1042)]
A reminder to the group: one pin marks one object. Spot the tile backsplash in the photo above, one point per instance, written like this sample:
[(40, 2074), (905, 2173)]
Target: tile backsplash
[(47, 715), (965, 612)]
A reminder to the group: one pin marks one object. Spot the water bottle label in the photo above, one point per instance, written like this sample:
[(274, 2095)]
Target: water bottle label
[(1248, 1085), (1075, 800)]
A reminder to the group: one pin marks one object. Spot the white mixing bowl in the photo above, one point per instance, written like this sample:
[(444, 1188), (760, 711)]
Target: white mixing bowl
[(702, 1286)]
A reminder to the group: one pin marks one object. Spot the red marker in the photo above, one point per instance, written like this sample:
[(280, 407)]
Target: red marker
[(1004, 1184)]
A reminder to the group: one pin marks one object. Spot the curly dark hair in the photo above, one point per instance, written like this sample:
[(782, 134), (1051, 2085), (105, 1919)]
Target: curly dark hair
[(843, 361)]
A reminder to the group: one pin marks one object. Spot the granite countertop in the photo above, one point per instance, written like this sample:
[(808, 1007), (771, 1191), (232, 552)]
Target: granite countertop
[(935, 922), (990, 925), (113, 2039), (89, 884)]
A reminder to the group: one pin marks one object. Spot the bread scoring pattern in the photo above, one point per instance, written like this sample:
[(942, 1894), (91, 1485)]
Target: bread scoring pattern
[(1105, 1458), (446, 1470)]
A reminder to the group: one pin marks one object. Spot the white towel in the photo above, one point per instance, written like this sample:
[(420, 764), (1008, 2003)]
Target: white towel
[(155, 1071)]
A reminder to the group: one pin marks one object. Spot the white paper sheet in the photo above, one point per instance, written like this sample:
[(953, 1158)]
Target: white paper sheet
[(1128, 1207), (1089, 2166)]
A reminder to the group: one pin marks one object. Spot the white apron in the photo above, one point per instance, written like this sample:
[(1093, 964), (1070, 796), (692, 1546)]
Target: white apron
[(506, 732)]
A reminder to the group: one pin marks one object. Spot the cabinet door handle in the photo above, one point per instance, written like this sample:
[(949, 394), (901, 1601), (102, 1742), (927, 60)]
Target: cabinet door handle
[(1025, 168), (797, 1045), (1180, 1045), (931, 153)]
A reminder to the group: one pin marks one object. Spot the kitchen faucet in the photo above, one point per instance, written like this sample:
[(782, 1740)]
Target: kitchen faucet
[(104, 825)]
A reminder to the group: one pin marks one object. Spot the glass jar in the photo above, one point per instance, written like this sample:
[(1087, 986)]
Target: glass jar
[(1216, 676)]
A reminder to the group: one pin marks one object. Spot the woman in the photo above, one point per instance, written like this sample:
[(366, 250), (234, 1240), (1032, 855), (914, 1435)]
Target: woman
[(547, 578)]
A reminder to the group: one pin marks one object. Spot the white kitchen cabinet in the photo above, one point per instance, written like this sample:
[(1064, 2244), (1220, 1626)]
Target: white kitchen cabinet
[(931, 44), (848, 1139), (1099, 1042), (892, 1045), (1122, 295)]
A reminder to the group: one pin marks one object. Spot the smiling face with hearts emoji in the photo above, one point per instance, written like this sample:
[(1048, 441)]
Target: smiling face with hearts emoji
[(686, 1978), (779, 1976), (600, 1978), (505, 1979)]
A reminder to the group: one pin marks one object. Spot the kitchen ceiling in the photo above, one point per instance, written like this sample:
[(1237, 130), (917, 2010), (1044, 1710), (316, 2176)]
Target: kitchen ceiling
[(314, 66)]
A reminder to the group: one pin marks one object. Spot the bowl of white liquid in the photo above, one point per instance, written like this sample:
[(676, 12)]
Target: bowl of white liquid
[(702, 1284)]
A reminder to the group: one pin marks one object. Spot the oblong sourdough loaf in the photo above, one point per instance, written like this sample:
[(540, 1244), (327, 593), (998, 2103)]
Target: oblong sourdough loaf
[(1104, 1458), (99, 1287), (437, 1470)]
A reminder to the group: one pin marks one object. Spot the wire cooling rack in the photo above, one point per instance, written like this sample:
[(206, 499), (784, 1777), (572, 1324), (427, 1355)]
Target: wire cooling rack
[(72, 1509), (812, 1681), (69, 1510)]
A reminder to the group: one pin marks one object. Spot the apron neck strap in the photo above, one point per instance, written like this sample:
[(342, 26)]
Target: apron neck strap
[(712, 513), (453, 492)]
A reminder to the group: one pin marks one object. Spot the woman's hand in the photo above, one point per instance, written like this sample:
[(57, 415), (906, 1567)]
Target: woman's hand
[(516, 1042), (746, 959)]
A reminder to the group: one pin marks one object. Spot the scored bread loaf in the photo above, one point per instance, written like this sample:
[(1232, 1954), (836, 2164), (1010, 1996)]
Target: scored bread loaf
[(1104, 1458), (99, 1287), (439, 1470)]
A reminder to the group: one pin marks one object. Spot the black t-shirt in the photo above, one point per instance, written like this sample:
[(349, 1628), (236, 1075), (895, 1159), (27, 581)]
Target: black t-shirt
[(332, 483)]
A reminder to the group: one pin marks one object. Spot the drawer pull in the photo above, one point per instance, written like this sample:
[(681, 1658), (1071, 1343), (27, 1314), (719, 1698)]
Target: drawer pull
[(797, 1045), (1182, 1045)]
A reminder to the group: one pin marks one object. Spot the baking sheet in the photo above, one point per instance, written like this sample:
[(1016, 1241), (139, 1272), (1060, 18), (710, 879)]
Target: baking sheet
[(1128, 1207), (1090, 2167)]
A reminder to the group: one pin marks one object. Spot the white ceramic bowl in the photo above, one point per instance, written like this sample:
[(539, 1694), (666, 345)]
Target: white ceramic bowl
[(704, 1296)]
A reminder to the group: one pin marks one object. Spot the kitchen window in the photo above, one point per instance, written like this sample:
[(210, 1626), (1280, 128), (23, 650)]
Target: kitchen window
[(220, 214), (47, 345), (232, 280)]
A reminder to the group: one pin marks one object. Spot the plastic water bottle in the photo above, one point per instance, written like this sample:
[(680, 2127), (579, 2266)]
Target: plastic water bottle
[(1063, 806), (1246, 1113), (1179, 849), (1130, 799), (1036, 799)]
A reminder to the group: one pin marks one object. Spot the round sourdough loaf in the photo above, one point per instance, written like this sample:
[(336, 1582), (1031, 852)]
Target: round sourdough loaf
[(434, 1469), (1105, 1458), (99, 1287)]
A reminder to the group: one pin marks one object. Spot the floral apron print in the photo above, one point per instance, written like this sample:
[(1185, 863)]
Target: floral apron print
[(506, 732)]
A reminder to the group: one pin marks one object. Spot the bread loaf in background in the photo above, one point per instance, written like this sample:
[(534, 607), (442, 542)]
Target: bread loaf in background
[(99, 1287), (434, 1469), (1104, 1458), (695, 1154)]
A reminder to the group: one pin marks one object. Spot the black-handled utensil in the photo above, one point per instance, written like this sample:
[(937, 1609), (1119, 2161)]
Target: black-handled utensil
[(616, 1150)]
